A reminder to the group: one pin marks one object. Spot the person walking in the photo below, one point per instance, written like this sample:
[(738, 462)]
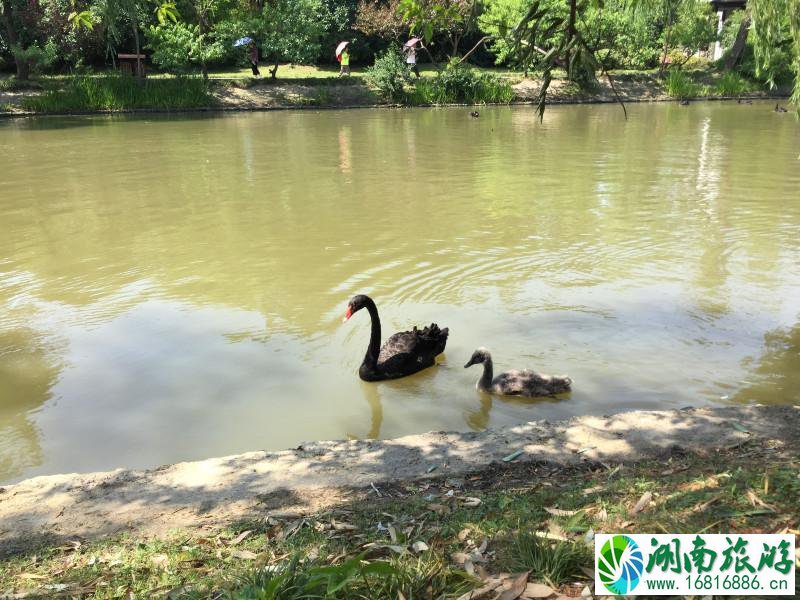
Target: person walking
[(344, 60), (253, 56), (411, 58)]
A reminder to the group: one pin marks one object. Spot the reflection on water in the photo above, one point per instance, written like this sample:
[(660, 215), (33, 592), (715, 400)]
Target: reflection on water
[(171, 289)]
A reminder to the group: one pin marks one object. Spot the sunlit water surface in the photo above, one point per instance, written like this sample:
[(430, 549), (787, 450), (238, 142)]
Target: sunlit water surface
[(172, 288)]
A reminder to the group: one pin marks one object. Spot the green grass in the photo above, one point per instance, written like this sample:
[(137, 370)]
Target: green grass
[(554, 563), (351, 548), (120, 92), (732, 84), (465, 86), (681, 86)]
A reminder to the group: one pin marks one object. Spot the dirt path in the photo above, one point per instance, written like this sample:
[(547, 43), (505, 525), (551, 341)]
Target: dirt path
[(320, 474)]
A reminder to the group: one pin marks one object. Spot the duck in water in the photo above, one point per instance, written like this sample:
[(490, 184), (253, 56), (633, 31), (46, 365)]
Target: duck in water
[(780, 109), (403, 353), (474, 114), (516, 383)]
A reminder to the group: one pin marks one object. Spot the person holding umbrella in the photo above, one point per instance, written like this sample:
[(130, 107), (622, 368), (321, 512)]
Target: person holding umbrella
[(343, 56), (410, 48), (252, 52)]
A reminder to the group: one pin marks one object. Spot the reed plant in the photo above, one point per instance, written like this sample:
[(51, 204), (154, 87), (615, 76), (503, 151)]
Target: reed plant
[(732, 84), (680, 85), (122, 92), (461, 85)]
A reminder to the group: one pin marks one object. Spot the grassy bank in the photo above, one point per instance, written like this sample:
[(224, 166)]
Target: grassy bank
[(301, 86), (110, 92), (434, 538)]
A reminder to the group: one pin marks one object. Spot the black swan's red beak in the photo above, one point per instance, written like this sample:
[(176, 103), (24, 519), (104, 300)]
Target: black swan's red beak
[(347, 314)]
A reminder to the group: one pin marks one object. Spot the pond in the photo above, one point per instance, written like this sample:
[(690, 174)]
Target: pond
[(172, 288)]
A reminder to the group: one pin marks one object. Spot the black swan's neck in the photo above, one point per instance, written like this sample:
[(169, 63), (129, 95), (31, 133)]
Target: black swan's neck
[(485, 382), (371, 357)]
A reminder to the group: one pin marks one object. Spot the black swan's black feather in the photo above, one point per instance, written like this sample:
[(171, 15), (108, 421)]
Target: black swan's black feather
[(404, 353)]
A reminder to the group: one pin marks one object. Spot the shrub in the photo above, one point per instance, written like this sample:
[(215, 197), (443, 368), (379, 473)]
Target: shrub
[(121, 92), (388, 75), (732, 84), (460, 84), (552, 562), (680, 85), (38, 57)]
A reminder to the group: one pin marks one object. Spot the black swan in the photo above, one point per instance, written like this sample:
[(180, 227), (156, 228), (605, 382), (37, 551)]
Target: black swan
[(516, 383), (403, 353)]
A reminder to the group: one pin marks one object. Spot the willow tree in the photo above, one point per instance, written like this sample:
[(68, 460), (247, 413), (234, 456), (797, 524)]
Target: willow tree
[(770, 21), (551, 30)]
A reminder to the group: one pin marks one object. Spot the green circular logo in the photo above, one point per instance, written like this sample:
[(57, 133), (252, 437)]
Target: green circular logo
[(620, 564)]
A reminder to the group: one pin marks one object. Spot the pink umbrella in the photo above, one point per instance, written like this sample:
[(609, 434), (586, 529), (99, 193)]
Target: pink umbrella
[(411, 42), (341, 47)]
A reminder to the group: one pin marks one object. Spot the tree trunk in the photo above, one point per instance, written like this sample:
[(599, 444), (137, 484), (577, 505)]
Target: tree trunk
[(666, 48), (273, 71), (573, 13), (735, 55), (136, 40), (23, 68), (202, 32)]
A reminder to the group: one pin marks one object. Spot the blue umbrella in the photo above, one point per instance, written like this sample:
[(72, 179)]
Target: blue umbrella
[(242, 42)]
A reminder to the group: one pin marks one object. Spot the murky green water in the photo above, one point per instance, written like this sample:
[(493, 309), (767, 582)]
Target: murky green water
[(172, 288)]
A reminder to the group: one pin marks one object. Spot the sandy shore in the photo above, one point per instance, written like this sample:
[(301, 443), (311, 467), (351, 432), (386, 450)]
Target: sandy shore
[(315, 475)]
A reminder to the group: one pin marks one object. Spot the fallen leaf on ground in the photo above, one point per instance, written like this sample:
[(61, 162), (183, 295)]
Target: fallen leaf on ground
[(240, 537), (471, 502), (392, 534), (593, 490), (756, 501), (537, 590), (482, 592), (704, 505), (419, 547), (515, 587), (558, 512), (244, 554), (341, 526), (459, 558), (463, 534), (439, 509), (32, 576), (643, 503), (513, 456)]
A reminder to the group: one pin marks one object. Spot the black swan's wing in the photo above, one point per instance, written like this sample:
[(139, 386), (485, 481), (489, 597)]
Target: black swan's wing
[(420, 342), (407, 352)]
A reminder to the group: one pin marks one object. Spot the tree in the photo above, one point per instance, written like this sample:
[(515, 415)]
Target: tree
[(776, 24), (380, 19), (689, 24), (178, 46), (30, 48), (291, 31)]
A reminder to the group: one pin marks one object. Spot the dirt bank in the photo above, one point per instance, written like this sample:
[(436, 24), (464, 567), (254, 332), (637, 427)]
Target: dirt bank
[(319, 474)]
